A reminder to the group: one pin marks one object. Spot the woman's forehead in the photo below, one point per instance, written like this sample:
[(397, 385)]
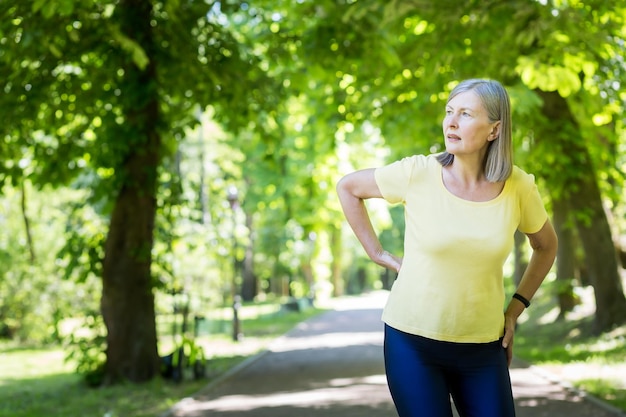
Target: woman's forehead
[(467, 99)]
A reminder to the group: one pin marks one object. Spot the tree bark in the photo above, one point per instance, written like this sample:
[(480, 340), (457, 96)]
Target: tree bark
[(578, 185), (600, 258), (127, 299), (566, 256)]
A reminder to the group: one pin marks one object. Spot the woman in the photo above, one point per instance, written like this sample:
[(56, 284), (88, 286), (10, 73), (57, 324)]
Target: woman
[(445, 331)]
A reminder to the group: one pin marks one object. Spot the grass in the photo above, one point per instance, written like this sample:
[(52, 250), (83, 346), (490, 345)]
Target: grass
[(38, 382), (593, 363), (606, 390)]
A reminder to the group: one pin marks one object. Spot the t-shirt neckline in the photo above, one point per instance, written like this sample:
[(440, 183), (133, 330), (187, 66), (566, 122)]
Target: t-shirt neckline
[(479, 203)]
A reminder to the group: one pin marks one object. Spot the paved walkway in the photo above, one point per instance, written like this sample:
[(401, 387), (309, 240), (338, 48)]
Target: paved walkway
[(332, 366)]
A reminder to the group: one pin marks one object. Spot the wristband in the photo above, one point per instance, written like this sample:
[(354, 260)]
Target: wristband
[(522, 299)]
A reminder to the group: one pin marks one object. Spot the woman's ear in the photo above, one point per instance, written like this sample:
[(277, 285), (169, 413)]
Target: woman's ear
[(495, 131)]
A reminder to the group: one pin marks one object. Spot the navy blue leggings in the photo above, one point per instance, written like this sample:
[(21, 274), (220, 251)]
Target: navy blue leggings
[(423, 373)]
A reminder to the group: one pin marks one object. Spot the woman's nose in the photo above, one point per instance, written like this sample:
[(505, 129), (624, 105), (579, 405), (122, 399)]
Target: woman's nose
[(452, 120)]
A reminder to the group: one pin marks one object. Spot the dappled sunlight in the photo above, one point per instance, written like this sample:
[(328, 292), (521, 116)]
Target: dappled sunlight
[(577, 371), (345, 382), (539, 392), (374, 299), (369, 390), (587, 306), (328, 340), (550, 316), (526, 379)]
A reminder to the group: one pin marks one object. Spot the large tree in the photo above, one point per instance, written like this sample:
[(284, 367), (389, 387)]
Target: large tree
[(103, 89), (579, 201)]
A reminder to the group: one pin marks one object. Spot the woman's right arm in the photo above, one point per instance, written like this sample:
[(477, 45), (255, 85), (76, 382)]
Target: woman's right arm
[(352, 190)]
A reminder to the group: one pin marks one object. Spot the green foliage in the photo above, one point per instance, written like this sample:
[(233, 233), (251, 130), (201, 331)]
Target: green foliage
[(81, 255), (35, 298), (86, 347), (187, 360)]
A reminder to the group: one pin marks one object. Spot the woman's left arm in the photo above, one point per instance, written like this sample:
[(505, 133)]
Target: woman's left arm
[(544, 244)]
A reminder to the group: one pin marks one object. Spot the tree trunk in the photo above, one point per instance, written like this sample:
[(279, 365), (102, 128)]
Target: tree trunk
[(127, 298), (566, 256), (573, 175), (600, 258)]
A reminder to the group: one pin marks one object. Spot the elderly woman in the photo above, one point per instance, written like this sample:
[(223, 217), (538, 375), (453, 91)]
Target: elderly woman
[(447, 332)]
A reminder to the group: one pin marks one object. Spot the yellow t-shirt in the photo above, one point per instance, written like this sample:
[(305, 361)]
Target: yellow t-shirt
[(450, 286)]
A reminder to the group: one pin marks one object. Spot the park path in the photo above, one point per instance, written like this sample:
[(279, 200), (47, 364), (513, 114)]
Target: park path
[(332, 366)]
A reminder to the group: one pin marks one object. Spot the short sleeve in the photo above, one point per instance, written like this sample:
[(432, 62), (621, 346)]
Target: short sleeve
[(533, 213), (393, 179)]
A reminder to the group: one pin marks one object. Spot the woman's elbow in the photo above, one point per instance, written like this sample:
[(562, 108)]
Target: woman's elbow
[(359, 184), (546, 240)]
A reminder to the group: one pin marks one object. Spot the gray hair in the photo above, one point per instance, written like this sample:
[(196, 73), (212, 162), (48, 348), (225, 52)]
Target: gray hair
[(498, 162)]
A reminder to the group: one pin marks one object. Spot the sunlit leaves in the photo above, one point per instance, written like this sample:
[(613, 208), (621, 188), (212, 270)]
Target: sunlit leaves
[(548, 77), (50, 8)]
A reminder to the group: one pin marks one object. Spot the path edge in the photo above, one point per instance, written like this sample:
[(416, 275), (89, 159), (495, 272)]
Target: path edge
[(567, 386)]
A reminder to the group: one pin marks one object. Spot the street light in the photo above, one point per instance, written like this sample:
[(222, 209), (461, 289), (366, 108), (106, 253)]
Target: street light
[(233, 201)]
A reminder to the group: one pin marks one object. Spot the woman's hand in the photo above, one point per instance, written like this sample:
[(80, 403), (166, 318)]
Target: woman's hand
[(510, 323), (388, 260)]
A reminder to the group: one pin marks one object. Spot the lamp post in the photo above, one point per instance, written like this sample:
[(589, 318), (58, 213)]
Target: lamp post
[(233, 201)]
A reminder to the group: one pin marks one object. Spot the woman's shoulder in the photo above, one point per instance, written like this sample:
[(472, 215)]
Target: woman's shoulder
[(412, 168), (420, 160), (521, 175), (521, 179)]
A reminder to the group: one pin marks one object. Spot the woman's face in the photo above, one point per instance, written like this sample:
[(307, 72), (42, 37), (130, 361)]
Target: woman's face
[(466, 126)]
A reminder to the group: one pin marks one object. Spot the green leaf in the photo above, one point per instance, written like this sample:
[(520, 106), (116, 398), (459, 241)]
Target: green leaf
[(139, 56)]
